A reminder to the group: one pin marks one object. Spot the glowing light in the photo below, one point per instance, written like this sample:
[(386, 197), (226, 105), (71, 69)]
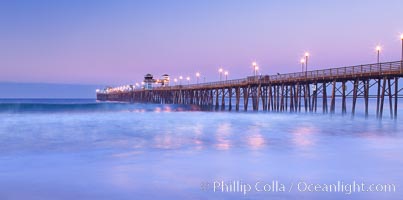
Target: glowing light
[(306, 54), (226, 72), (188, 78), (255, 68), (401, 36), (220, 70), (378, 48), (197, 74), (180, 77), (302, 60), (176, 80)]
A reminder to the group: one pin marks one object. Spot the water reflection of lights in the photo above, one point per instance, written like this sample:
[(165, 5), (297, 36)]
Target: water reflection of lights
[(198, 132), (166, 141), (256, 140), (167, 109), (222, 134), (157, 109), (303, 137)]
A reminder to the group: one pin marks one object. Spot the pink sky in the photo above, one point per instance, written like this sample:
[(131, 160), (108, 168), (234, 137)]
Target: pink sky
[(117, 42)]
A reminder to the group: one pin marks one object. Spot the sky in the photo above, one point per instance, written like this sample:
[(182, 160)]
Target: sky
[(47, 90), (115, 42)]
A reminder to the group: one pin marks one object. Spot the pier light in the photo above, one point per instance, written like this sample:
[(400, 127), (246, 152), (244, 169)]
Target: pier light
[(255, 68), (97, 90), (306, 62), (175, 80), (401, 37), (188, 79), (378, 52), (197, 77), (220, 72), (226, 75), (180, 80), (302, 61)]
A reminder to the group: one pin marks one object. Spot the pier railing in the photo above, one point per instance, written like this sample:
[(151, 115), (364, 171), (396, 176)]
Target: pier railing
[(367, 70), (387, 68), (283, 92)]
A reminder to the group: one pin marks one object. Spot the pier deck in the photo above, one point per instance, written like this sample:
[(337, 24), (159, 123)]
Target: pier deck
[(284, 92)]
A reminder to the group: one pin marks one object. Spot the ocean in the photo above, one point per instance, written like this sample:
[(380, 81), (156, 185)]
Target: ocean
[(84, 149)]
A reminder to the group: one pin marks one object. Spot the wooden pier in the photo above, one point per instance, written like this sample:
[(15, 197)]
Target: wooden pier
[(292, 92)]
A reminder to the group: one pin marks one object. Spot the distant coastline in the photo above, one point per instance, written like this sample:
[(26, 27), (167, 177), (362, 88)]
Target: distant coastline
[(13, 90)]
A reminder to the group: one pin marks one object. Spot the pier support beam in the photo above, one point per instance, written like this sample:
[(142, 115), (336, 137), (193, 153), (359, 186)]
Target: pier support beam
[(355, 91), (397, 92), (324, 103), (343, 106), (238, 97), (390, 98), (366, 96), (333, 103), (230, 98), (245, 98), (382, 98), (378, 96), (223, 99)]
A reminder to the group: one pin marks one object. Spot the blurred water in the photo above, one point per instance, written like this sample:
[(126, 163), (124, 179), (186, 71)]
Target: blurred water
[(138, 151)]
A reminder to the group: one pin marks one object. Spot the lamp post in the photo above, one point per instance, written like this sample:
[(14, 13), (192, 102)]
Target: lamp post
[(401, 37), (255, 68), (220, 72), (226, 75), (306, 62), (188, 79), (180, 80), (401, 64), (378, 52), (175, 80), (302, 61), (197, 77)]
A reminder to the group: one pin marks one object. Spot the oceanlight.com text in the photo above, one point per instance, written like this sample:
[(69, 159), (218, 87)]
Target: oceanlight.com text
[(275, 186)]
